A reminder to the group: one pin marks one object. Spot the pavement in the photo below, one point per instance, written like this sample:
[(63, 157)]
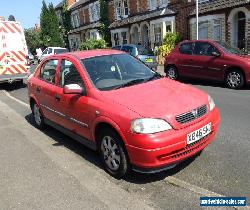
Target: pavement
[(48, 170)]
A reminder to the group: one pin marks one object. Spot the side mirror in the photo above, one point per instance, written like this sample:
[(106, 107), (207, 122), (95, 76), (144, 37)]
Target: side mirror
[(215, 54), (73, 89)]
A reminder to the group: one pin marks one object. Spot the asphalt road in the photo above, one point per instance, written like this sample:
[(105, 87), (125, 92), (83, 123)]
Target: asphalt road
[(223, 167)]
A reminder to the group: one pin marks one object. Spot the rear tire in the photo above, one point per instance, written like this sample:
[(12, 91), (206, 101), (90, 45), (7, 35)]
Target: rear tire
[(113, 153), (38, 117), (171, 72), (234, 79)]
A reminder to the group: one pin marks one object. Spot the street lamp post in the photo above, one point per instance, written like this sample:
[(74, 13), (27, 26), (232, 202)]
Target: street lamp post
[(197, 19)]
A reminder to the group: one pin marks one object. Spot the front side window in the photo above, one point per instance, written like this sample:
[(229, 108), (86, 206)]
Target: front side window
[(69, 74), (186, 48), (117, 71), (204, 48), (48, 71)]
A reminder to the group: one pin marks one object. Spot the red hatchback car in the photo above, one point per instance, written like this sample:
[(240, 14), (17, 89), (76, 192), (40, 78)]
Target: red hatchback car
[(211, 60), (115, 104)]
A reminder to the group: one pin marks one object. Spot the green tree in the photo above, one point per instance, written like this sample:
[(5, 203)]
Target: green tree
[(66, 23), (33, 39), (50, 30), (104, 20)]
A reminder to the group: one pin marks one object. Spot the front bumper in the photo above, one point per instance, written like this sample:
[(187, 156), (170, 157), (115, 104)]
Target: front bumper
[(175, 149)]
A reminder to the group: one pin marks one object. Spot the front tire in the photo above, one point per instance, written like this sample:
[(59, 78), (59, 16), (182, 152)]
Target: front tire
[(171, 72), (113, 153), (38, 117), (234, 79)]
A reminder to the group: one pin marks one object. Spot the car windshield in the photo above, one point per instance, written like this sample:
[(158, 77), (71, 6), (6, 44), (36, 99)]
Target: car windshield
[(229, 49), (117, 71), (59, 51)]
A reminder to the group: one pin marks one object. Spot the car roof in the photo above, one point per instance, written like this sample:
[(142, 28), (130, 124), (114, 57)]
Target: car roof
[(200, 40), (93, 53)]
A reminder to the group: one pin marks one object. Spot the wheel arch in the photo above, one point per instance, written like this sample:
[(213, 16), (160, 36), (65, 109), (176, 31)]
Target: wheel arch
[(104, 122)]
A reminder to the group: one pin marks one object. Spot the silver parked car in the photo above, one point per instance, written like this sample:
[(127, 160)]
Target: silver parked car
[(145, 55)]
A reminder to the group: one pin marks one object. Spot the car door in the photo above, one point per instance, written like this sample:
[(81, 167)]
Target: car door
[(45, 91), (75, 110), (208, 58), (186, 60)]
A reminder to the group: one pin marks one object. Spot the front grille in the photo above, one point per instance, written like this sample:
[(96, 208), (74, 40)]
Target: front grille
[(192, 115)]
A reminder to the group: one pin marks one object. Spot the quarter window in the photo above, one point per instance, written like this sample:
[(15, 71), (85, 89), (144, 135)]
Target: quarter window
[(69, 74), (186, 48), (48, 71)]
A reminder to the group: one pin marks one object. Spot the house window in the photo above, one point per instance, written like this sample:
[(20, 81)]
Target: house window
[(163, 3), (203, 30), (152, 4), (157, 34), (217, 30), (121, 9), (94, 11), (124, 37), (75, 20), (116, 38)]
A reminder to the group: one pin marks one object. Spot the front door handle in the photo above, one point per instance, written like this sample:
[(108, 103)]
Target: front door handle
[(57, 97)]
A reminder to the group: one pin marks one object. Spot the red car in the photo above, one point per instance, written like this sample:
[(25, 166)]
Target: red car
[(115, 104), (209, 60)]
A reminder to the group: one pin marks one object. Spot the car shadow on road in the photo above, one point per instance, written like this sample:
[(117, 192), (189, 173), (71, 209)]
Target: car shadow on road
[(12, 86), (92, 156), (208, 83)]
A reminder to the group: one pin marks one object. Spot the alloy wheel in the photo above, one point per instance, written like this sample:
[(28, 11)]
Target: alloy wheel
[(37, 115), (172, 73), (234, 79), (111, 153)]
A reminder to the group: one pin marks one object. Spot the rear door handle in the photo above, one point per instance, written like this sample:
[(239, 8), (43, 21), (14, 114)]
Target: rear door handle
[(57, 97)]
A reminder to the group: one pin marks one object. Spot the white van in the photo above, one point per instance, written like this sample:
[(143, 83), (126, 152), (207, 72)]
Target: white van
[(13, 52), (52, 51)]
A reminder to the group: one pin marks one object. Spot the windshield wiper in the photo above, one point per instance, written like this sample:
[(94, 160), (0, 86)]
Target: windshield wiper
[(130, 83)]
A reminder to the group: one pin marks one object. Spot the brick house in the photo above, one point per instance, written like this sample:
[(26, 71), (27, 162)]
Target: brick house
[(147, 21), (223, 20), (85, 16)]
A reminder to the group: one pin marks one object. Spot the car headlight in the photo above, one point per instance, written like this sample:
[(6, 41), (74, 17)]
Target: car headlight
[(211, 103), (149, 125)]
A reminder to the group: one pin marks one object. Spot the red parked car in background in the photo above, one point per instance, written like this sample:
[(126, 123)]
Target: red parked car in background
[(211, 60), (113, 103)]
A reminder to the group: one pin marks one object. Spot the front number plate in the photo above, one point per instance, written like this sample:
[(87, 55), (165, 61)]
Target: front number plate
[(199, 134)]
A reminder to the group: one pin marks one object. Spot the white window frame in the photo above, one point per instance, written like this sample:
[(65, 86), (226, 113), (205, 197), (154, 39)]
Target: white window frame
[(153, 4), (120, 10), (163, 3), (75, 19), (94, 11), (220, 29)]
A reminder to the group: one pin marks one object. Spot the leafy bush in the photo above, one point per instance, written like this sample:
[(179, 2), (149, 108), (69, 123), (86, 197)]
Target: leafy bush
[(169, 42), (90, 44)]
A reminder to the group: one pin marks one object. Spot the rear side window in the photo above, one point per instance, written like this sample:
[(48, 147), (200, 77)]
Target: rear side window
[(186, 48), (48, 71)]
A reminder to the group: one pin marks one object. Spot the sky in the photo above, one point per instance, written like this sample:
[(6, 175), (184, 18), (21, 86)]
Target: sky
[(25, 11)]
